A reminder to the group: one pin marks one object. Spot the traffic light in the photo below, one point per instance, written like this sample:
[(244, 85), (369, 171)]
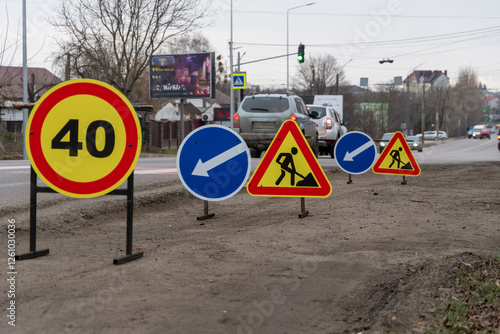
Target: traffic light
[(300, 54)]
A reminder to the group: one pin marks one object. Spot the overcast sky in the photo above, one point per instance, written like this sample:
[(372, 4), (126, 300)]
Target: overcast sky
[(416, 34)]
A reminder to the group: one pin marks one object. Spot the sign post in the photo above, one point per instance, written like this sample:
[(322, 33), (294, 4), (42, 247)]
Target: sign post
[(83, 140), (289, 169), (355, 153), (213, 163), (397, 159)]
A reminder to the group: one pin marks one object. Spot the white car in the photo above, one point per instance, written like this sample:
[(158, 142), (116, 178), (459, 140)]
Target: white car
[(330, 129), (431, 135)]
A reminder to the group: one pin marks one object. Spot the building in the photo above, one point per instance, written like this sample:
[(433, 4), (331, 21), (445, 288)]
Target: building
[(492, 102), (419, 80), (40, 80)]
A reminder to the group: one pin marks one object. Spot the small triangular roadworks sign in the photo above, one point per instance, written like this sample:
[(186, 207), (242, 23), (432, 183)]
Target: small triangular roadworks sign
[(289, 168), (396, 158)]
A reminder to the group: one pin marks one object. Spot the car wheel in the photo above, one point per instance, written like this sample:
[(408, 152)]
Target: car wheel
[(315, 149), (420, 150), (332, 151), (254, 153)]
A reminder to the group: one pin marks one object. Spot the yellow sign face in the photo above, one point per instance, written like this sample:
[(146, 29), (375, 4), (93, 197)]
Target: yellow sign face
[(84, 138), (287, 159), (397, 158), (289, 168)]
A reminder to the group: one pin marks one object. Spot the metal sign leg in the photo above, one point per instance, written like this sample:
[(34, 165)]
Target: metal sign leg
[(33, 253), (130, 222), (303, 212), (207, 215)]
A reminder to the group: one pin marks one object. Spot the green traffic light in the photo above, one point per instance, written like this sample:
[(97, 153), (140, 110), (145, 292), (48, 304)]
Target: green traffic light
[(300, 53)]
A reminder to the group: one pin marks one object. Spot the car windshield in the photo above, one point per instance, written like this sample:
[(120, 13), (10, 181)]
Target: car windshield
[(477, 130), (413, 138), (387, 136), (265, 104), (321, 111)]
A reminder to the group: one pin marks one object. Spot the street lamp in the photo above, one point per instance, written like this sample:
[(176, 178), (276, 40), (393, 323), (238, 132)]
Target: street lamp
[(287, 43), (337, 77)]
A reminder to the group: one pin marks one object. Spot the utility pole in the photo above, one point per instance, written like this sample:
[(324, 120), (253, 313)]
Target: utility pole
[(437, 115), (313, 84), (446, 110), (231, 102), (25, 81), (423, 113)]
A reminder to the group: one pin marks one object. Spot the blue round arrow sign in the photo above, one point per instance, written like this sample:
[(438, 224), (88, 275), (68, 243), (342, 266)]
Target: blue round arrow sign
[(355, 152), (213, 162)]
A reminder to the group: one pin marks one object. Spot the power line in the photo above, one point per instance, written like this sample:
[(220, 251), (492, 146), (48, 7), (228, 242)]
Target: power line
[(392, 43), (371, 15)]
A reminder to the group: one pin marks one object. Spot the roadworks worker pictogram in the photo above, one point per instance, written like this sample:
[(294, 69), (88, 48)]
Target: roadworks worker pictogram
[(285, 160)]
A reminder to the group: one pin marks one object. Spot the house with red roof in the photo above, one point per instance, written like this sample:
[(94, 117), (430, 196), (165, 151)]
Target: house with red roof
[(40, 80)]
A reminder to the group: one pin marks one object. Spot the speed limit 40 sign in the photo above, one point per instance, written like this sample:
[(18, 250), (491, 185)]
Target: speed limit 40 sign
[(83, 138)]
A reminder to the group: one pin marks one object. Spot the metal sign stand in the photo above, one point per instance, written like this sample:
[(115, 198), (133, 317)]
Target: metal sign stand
[(303, 212), (350, 180), (207, 215), (129, 192), (35, 189), (404, 179)]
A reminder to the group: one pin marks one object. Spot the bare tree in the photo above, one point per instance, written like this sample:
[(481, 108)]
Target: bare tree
[(319, 75), (113, 40), (196, 43), (466, 101)]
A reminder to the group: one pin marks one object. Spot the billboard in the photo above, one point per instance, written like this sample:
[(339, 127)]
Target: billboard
[(182, 76), (222, 114)]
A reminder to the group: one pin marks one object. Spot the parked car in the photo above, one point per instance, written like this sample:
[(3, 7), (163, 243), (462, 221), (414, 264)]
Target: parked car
[(485, 133), (329, 127), (414, 142), (259, 117), (386, 137), (431, 135)]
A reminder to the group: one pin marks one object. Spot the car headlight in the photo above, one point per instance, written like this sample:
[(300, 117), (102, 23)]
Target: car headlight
[(415, 144), (382, 144)]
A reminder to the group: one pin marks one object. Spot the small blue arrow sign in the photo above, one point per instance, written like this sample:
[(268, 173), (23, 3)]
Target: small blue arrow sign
[(355, 152), (213, 162)]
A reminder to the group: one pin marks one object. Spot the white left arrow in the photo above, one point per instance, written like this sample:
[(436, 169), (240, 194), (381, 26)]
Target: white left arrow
[(350, 155), (202, 168)]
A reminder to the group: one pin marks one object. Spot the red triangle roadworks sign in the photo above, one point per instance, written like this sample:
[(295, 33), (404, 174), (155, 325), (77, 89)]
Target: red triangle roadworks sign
[(289, 168), (396, 158)]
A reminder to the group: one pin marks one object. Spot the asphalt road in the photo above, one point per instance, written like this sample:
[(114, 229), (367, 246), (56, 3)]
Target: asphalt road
[(14, 174)]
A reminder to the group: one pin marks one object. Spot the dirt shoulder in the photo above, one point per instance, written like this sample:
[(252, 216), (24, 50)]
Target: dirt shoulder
[(371, 257)]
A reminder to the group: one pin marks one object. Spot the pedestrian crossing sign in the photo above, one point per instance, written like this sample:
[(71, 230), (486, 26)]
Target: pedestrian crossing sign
[(396, 158), (240, 80), (289, 168)]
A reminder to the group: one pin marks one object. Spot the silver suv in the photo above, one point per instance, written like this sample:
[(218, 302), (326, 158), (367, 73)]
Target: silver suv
[(329, 127), (259, 117)]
